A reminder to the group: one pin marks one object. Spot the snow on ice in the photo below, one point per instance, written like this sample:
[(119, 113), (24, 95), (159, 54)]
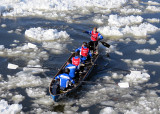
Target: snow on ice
[(5, 108), (136, 77), (153, 20), (137, 30), (127, 10), (148, 51), (151, 41), (36, 92), (115, 20), (56, 9), (39, 34), (153, 8)]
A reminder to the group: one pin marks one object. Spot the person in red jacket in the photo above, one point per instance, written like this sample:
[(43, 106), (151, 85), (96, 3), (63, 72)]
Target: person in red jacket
[(84, 52), (76, 60), (95, 37)]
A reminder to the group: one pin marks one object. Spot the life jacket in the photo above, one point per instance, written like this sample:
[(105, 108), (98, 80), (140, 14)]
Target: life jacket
[(84, 51), (75, 61), (94, 36)]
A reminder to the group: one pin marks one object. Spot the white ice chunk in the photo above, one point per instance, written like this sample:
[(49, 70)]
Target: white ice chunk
[(152, 41), (1, 47), (3, 25), (30, 45), (115, 20), (126, 10), (119, 53), (57, 9), (108, 110), (36, 92), (123, 85), (140, 41), (136, 77), (149, 51), (18, 98), (46, 100), (137, 30), (153, 8), (153, 3), (5, 108), (153, 20), (39, 34), (11, 31), (12, 66)]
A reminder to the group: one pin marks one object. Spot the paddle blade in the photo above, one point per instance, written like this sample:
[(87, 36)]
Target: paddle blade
[(123, 85), (105, 44), (12, 66), (30, 45)]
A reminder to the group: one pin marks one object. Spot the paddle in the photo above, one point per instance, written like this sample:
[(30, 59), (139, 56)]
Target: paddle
[(14, 66), (120, 84), (105, 44)]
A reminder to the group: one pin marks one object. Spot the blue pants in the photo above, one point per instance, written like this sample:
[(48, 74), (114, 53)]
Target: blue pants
[(83, 59)]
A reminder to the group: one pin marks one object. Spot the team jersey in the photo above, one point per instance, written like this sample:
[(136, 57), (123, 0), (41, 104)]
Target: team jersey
[(72, 69), (64, 80), (99, 35)]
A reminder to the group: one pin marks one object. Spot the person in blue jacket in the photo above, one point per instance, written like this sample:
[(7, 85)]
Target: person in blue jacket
[(95, 37), (72, 69), (84, 52), (64, 79)]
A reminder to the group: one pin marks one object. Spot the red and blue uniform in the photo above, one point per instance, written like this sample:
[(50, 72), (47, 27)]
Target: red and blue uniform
[(72, 69), (64, 80), (94, 36), (84, 52), (76, 61)]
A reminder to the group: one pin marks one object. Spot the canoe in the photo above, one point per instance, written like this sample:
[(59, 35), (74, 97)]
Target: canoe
[(89, 66)]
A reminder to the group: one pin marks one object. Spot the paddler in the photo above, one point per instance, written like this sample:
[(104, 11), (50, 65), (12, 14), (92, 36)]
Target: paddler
[(95, 37), (72, 69), (64, 79), (84, 52), (76, 60)]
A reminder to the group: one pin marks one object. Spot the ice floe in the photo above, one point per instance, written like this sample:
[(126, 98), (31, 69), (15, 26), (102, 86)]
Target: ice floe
[(148, 51), (56, 9), (153, 3), (108, 110), (23, 52), (144, 41), (39, 34), (153, 20), (3, 25), (139, 62), (136, 77), (5, 108), (141, 30), (36, 92), (153, 8), (115, 20), (46, 100), (18, 98), (55, 47), (127, 10), (152, 41)]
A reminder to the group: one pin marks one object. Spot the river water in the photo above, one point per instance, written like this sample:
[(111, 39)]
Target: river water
[(127, 53)]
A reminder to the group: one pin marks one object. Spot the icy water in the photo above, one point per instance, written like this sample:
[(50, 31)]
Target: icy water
[(132, 51)]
